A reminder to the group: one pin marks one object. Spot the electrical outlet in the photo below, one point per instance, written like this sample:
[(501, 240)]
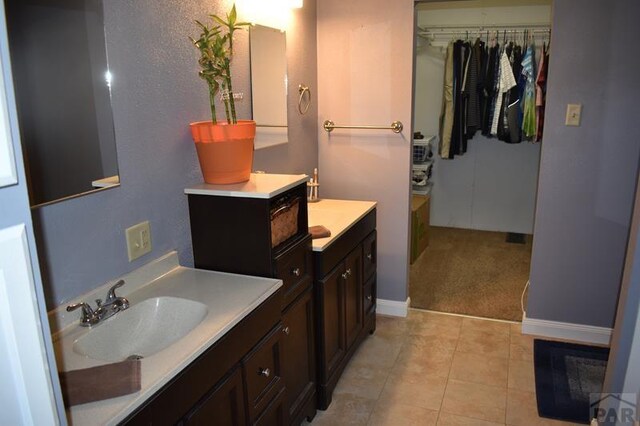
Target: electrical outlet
[(574, 111), (138, 240)]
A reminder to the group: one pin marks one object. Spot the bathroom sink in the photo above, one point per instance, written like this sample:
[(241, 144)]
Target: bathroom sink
[(142, 330)]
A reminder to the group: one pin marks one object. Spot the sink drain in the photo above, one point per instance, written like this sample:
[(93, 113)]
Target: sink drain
[(134, 357)]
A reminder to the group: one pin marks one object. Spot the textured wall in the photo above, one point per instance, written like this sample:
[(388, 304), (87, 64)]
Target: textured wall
[(365, 60), (156, 93), (587, 173)]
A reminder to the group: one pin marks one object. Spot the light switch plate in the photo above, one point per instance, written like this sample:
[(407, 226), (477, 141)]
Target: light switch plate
[(574, 111), (138, 240)]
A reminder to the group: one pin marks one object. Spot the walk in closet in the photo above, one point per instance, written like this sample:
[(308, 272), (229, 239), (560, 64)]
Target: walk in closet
[(480, 87)]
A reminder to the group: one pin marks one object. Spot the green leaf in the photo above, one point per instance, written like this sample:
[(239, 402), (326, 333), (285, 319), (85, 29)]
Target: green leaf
[(233, 15)]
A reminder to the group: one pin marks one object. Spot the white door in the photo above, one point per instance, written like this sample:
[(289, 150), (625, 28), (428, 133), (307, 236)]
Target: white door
[(27, 382)]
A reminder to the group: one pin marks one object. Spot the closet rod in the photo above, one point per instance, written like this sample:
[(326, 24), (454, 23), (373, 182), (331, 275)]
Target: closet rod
[(485, 27)]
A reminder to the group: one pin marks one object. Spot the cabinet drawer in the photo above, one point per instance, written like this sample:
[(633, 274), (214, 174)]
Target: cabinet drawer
[(369, 255), (369, 295), (294, 269), (262, 370)]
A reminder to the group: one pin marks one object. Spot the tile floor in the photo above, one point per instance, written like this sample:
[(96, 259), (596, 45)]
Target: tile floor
[(438, 369)]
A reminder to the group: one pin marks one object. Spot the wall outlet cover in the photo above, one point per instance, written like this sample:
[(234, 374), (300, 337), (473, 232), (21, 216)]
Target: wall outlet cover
[(138, 240)]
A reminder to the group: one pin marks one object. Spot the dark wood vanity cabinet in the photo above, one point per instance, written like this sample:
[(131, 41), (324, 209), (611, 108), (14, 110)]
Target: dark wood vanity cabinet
[(233, 234), (228, 384), (345, 290)]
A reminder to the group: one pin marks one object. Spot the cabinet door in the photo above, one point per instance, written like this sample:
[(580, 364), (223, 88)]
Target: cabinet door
[(298, 370), (331, 321), (352, 278), (224, 406)]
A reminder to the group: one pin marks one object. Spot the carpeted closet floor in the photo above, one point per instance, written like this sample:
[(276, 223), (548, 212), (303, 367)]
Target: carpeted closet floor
[(471, 272)]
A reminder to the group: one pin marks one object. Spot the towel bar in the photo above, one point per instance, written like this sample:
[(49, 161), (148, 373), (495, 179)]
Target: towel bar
[(396, 127)]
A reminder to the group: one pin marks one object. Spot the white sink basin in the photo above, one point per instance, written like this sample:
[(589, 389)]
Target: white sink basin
[(142, 330)]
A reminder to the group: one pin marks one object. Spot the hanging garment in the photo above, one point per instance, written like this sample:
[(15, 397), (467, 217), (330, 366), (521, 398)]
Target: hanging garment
[(512, 132), (446, 116), (489, 91), (470, 89), (529, 103), (505, 82), (457, 134), (541, 92)]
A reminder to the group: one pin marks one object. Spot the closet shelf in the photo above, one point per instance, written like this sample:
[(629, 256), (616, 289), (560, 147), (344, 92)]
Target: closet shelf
[(422, 166), (428, 140), (422, 190)]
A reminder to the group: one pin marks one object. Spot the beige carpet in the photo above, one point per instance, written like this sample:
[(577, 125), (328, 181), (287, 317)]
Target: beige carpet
[(471, 272)]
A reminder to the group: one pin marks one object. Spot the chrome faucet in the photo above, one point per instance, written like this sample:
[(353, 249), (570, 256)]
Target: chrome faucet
[(111, 306)]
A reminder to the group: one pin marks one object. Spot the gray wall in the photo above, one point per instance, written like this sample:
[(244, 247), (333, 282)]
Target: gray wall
[(156, 93), (587, 173)]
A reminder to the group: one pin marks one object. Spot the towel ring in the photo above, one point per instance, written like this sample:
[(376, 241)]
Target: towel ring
[(302, 89)]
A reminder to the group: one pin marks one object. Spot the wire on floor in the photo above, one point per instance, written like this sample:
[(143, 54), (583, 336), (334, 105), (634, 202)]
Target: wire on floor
[(526, 286)]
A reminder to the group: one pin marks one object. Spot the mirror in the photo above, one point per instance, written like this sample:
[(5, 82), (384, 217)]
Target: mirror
[(269, 85), (63, 96)]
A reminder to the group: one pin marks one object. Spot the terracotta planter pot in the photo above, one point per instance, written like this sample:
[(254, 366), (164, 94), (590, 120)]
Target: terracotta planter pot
[(225, 151)]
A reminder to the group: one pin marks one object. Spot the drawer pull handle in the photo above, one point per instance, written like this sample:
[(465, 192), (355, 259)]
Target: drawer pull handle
[(369, 297), (286, 330), (370, 256), (296, 272), (264, 372)]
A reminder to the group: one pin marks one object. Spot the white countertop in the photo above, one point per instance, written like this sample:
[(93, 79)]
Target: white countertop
[(229, 299), (337, 216), (259, 185)]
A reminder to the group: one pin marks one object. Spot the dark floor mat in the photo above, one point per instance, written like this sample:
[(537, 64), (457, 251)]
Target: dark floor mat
[(566, 375)]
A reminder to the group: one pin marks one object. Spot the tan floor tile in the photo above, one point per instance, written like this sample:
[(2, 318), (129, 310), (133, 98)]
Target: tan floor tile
[(447, 419), (420, 391), (475, 400), (391, 414), (444, 340), (391, 326), (424, 360), (381, 351), (346, 409), (521, 347), (422, 318), (521, 375), (487, 326), (480, 368), (361, 379), (480, 342), (522, 410)]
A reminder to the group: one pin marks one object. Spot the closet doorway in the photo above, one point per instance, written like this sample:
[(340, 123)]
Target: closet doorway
[(476, 153)]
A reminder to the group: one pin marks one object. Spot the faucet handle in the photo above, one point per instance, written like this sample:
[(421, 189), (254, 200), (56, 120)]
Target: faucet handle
[(111, 294), (88, 316)]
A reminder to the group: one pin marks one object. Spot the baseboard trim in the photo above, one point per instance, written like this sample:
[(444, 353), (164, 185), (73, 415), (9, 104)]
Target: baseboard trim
[(566, 331), (393, 308)]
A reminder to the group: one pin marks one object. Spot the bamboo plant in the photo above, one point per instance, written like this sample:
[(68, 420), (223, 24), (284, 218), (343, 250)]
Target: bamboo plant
[(216, 51)]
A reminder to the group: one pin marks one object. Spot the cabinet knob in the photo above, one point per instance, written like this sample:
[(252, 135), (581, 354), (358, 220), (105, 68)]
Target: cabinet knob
[(344, 276), (264, 372), (349, 271), (370, 256), (286, 330), (296, 272), (369, 297)]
